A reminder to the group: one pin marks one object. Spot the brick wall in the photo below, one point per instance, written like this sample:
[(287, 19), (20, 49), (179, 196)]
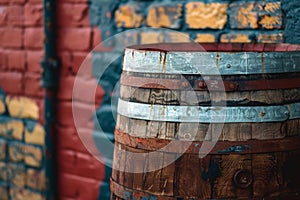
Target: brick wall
[(80, 174), (82, 24), (22, 136), (202, 21)]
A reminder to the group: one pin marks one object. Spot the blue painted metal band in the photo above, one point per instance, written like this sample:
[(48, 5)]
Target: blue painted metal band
[(206, 114), (210, 63)]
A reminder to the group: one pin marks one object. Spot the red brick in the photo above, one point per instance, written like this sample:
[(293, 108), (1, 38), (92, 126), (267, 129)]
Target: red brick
[(67, 138), (89, 167), (16, 60), (32, 83), (97, 38), (75, 39), (75, 186), (33, 38), (67, 161), (73, 1), (82, 64), (3, 60), (15, 15), (18, 1), (33, 60), (40, 102), (66, 88), (35, 1), (66, 63), (33, 14), (3, 15), (80, 164), (4, 1), (11, 82), (11, 37), (88, 91), (78, 59), (71, 15), (65, 114)]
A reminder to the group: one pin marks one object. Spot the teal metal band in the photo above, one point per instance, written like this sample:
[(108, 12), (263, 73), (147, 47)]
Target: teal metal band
[(205, 114), (210, 63)]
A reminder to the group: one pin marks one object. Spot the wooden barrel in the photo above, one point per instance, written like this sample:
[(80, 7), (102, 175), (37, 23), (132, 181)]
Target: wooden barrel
[(208, 122)]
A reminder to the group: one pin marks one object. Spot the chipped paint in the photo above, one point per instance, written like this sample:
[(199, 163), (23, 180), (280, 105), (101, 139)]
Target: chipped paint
[(246, 17), (212, 173), (16, 152), (270, 38), (164, 16), (235, 149), (11, 128), (33, 156), (269, 22), (272, 6), (129, 16), (34, 133), (202, 15), (235, 38)]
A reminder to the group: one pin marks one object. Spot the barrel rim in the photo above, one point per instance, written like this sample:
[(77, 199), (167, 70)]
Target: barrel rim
[(215, 47)]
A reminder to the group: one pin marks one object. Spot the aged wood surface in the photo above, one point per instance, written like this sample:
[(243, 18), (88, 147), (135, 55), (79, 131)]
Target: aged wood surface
[(200, 132), (213, 176), (258, 160)]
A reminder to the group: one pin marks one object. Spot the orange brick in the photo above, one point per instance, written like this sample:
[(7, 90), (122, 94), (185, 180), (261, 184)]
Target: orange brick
[(267, 15), (200, 15), (270, 38), (165, 16), (235, 38), (151, 37), (129, 16), (205, 38)]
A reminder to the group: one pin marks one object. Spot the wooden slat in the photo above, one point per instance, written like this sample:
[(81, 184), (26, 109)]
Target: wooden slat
[(224, 187), (264, 169)]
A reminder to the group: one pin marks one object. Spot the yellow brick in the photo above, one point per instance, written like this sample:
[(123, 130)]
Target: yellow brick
[(177, 37), (16, 175), (128, 17), (269, 22), (22, 107), (271, 7), (2, 106), (33, 156), (16, 152), (35, 179), (200, 15), (151, 37), (3, 172), (11, 128), (270, 38), (205, 38), (36, 135), (235, 38), (247, 17), (165, 16), (23, 194)]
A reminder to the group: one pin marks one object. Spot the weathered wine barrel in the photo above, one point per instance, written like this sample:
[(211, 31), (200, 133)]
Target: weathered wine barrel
[(228, 115)]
